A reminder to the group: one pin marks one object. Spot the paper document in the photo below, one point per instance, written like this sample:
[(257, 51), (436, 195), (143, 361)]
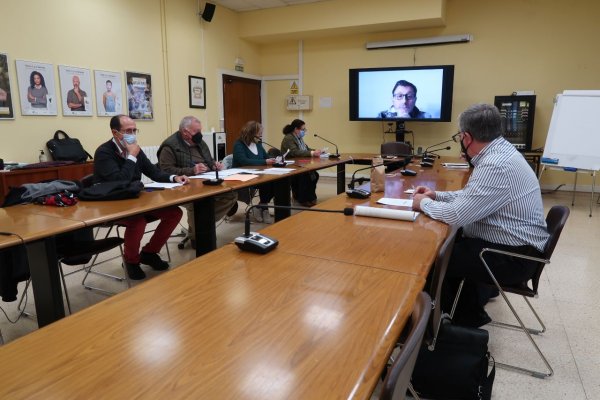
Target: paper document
[(240, 177), (162, 185), (453, 165), (222, 174), (395, 202), (276, 171)]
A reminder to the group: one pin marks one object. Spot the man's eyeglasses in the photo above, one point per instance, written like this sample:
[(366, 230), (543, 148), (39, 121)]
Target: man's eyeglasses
[(130, 131), (456, 137), (405, 96)]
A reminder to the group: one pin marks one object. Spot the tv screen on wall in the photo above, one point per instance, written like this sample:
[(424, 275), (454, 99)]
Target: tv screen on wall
[(417, 93)]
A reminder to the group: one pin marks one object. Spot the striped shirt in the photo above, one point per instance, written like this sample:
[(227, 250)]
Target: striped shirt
[(501, 203)]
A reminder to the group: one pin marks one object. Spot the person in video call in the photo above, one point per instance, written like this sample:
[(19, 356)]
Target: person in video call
[(122, 159), (500, 207), (248, 151), (303, 186), (37, 92), (185, 153), (404, 97)]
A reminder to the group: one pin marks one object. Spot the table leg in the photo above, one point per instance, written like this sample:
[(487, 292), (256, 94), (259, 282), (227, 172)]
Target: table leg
[(282, 198), (204, 220), (341, 178), (45, 281)]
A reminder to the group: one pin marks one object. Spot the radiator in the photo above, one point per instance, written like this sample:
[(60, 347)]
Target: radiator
[(150, 152)]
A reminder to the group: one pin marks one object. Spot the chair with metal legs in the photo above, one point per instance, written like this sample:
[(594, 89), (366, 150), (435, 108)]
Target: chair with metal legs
[(397, 380), (555, 221)]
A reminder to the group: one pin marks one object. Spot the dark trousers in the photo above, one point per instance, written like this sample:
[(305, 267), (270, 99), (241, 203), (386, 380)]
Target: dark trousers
[(465, 263), (304, 187), (266, 191)]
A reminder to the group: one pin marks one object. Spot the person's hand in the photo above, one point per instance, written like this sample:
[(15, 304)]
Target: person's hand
[(416, 205), (182, 179), (219, 165), (270, 161), (425, 191), (315, 153), (133, 149), (200, 168)]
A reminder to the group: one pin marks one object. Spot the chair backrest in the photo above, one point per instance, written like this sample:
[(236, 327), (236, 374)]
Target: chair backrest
[(397, 380), (555, 222), (227, 161), (273, 152), (437, 278), (395, 149)]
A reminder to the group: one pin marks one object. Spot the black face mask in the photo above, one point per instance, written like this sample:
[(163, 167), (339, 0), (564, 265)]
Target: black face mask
[(197, 138), (463, 149)]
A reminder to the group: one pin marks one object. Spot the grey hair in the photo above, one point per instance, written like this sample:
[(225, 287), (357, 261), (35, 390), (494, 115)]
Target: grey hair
[(187, 121), (482, 121)]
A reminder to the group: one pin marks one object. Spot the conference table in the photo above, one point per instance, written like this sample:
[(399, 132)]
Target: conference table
[(315, 318)]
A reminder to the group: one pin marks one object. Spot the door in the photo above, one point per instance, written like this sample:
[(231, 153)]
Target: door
[(241, 103)]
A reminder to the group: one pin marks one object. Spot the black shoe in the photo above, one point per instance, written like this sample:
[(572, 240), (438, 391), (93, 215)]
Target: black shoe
[(232, 210), (153, 260), (134, 271)]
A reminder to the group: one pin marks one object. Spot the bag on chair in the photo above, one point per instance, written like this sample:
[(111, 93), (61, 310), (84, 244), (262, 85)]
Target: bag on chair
[(458, 366), (115, 190), (66, 148)]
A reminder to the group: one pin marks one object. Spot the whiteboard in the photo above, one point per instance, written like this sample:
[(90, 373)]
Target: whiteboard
[(574, 134)]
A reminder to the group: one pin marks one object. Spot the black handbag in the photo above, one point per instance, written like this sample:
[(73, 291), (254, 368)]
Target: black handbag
[(115, 190), (458, 366), (66, 148)]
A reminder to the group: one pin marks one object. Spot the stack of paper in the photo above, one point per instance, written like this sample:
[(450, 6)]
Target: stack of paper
[(455, 165)]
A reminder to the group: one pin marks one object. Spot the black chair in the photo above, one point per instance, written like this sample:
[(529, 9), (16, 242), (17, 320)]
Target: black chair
[(397, 380), (555, 221), (394, 149)]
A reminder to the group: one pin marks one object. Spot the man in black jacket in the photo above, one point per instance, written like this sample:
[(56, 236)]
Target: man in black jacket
[(122, 159)]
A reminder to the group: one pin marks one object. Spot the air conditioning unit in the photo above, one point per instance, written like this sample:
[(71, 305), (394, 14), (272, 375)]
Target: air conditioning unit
[(221, 144)]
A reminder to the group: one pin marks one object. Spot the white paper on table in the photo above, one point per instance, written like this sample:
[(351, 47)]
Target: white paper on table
[(275, 171), (451, 165), (388, 213), (222, 173), (395, 202), (162, 185)]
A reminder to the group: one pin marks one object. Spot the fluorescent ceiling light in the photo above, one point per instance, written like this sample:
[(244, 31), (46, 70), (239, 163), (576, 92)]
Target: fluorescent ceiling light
[(420, 41)]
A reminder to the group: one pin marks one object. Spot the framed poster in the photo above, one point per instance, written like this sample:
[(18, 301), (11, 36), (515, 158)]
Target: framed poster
[(108, 93), (36, 88), (139, 95), (6, 107), (76, 90), (197, 92)]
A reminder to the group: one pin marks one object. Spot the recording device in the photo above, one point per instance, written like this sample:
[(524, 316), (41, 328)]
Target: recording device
[(214, 181), (259, 243), (358, 193), (426, 164), (337, 153), (408, 172)]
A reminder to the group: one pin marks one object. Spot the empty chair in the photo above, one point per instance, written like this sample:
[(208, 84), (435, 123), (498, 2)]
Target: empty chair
[(555, 221), (395, 149), (397, 380)]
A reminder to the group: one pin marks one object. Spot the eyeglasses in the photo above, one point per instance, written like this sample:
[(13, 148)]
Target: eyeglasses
[(130, 131), (405, 96)]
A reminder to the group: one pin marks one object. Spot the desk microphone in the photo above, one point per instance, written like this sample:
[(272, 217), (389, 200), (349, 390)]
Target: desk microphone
[(359, 193), (426, 152), (277, 164), (337, 153), (216, 180), (259, 243)]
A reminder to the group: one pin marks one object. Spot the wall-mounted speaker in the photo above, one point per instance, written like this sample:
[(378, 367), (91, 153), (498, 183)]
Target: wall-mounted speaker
[(209, 11)]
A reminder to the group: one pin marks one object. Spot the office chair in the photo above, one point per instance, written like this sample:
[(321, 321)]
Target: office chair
[(397, 150), (555, 221), (397, 380)]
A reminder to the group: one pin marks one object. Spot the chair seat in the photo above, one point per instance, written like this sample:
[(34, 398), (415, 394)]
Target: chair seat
[(522, 289), (70, 255)]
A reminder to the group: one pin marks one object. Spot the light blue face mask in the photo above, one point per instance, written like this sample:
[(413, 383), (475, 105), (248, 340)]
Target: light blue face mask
[(129, 138), (302, 133)]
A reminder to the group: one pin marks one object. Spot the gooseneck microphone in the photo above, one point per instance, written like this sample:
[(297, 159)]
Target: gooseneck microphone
[(216, 180), (277, 164), (337, 153), (259, 243), (427, 150)]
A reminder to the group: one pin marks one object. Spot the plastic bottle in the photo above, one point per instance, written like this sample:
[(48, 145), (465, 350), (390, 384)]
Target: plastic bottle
[(42, 156)]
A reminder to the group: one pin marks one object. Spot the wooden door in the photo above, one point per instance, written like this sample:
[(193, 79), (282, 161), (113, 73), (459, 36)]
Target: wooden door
[(241, 103)]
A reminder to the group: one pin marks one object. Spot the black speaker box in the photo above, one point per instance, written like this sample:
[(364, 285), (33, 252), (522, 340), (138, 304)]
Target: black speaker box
[(209, 11)]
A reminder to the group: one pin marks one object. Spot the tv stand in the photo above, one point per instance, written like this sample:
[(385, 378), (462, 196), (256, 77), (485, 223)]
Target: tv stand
[(400, 131)]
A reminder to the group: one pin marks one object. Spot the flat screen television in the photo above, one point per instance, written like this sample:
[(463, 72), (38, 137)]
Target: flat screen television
[(400, 94)]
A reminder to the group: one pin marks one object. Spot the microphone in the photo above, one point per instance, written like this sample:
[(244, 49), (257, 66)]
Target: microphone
[(337, 153), (215, 181), (277, 164), (425, 153), (359, 193), (259, 243)]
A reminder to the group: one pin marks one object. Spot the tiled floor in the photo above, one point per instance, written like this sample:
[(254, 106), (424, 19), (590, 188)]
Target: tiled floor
[(568, 304)]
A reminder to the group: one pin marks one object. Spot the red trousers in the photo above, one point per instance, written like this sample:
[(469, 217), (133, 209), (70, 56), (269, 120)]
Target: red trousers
[(134, 231)]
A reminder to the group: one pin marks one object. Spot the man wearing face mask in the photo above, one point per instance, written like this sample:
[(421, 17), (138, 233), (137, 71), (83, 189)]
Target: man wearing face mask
[(500, 207), (185, 153), (122, 159), (303, 186)]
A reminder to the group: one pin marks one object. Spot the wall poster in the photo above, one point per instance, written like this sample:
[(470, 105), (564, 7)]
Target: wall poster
[(76, 90), (6, 107), (139, 95), (109, 98), (36, 88)]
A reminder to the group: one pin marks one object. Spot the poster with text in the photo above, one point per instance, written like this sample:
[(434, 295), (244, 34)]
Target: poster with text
[(75, 90), (139, 95), (36, 88), (6, 107), (109, 97)]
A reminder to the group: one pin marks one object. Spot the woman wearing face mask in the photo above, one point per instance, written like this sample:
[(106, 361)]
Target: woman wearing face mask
[(303, 186), (247, 151)]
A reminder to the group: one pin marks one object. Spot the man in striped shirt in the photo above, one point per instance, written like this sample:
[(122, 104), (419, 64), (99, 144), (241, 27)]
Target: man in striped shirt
[(500, 207)]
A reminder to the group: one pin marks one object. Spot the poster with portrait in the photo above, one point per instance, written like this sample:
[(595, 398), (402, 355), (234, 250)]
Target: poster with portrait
[(75, 90), (139, 95), (6, 107), (36, 88), (109, 98)]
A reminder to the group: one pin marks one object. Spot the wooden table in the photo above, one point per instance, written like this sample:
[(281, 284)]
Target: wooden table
[(228, 325)]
